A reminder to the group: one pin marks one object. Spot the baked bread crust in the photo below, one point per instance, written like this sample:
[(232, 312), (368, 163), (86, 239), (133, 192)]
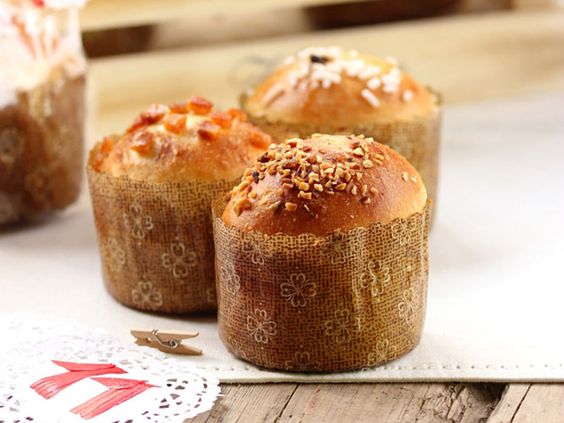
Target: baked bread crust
[(323, 184), (180, 143), (337, 89)]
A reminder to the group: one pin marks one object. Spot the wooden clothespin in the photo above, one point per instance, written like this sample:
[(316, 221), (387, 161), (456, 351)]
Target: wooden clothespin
[(166, 341)]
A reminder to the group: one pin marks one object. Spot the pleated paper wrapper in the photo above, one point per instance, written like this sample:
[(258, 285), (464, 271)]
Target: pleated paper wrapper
[(348, 300), (156, 241), (41, 149)]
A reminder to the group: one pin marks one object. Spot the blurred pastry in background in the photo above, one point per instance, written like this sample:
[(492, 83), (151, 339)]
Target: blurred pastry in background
[(152, 189), (337, 91), (42, 107)]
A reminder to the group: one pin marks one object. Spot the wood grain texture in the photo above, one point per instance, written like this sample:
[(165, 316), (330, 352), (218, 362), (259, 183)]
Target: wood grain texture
[(510, 401), (339, 403), (249, 403), (467, 58), (542, 403), (105, 14), (389, 403)]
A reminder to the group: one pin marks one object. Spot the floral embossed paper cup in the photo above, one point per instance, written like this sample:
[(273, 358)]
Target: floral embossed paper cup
[(152, 189), (321, 256)]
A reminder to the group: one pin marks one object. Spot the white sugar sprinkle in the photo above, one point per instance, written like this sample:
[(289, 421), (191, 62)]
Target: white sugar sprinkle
[(390, 88), (407, 96), (374, 83), (274, 92), (370, 98), (324, 66)]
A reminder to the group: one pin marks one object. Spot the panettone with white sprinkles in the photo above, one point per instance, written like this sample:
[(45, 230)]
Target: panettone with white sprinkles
[(337, 91), (321, 256), (152, 189)]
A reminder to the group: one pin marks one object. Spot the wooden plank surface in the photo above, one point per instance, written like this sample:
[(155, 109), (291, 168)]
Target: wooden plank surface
[(510, 401), (389, 403), (104, 14), (467, 58)]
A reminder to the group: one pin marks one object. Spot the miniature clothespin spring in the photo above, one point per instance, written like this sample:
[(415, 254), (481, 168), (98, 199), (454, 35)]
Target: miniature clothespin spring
[(166, 341)]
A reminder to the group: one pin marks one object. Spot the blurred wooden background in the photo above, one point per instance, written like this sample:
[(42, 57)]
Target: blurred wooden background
[(163, 50)]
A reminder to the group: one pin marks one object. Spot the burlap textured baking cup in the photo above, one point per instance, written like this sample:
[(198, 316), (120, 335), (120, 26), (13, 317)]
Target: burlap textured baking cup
[(41, 146), (156, 241), (344, 301)]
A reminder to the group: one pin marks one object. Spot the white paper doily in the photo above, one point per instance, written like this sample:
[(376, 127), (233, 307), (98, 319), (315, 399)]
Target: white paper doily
[(31, 343)]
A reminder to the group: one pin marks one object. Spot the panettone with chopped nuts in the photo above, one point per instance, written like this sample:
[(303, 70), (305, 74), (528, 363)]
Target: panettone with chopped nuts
[(321, 256), (332, 90), (152, 190), (325, 183)]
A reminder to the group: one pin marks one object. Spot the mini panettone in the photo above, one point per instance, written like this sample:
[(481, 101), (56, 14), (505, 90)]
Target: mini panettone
[(152, 189), (337, 91), (321, 256)]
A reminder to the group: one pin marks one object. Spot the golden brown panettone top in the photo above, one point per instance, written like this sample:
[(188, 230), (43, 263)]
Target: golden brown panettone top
[(336, 88), (180, 143), (323, 184)]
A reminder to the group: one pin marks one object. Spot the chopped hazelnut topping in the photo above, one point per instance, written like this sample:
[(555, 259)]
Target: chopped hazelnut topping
[(305, 172), (359, 152), (414, 179), (304, 186), (291, 206), (405, 176), (242, 204), (276, 205), (374, 190), (366, 200)]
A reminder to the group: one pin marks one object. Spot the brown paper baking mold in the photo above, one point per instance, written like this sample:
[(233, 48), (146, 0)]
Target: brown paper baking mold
[(41, 149), (156, 241), (345, 301)]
